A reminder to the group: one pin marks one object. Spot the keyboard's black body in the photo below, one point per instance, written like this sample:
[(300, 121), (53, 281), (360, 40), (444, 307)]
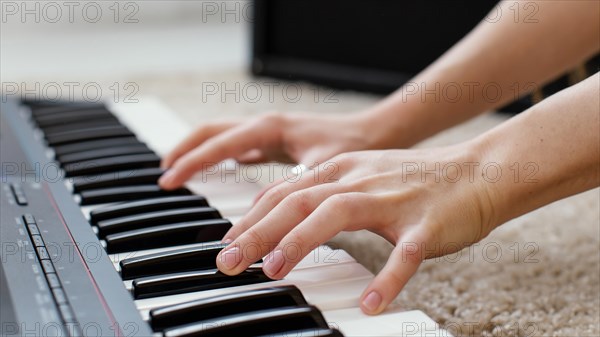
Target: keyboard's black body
[(102, 304), (56, 277)]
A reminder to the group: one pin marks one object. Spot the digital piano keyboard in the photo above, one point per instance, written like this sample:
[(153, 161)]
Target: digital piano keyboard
[(92, 247)]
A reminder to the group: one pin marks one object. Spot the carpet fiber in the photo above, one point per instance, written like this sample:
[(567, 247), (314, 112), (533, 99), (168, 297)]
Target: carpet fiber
[(538, 275)]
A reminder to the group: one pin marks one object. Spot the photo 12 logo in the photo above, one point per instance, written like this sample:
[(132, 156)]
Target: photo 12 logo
[(90, 92), (69, 11), (228, 11)]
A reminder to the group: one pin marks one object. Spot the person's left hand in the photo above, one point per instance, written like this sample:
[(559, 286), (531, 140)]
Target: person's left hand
[(382, 191)]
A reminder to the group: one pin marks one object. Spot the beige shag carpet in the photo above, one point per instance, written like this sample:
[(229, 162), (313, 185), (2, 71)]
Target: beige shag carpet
[(538, 275)]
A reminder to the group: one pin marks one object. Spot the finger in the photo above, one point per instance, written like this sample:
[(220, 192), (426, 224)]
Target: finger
[(199, 136), (228, 144), (260, 239), (252, 157), (400, 267), (265, 189), (337, 213), (271, 199), (299, 170)]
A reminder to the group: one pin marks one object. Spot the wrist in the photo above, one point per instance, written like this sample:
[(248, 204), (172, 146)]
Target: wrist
[(385, 128)]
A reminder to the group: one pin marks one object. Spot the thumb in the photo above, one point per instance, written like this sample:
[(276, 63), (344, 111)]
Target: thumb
[(402, 264)]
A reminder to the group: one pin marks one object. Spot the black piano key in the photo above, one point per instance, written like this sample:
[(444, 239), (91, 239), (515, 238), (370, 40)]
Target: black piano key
[(144, 220), (103, 153), (117, 178), (201, 280), (318, 332), (118, 163), (174, 261), (81, 135), (76, 126), (126, 193), (254, 324), (58, 107), (175, 234), (60, 150), (72, 117), (225, 305), (43, 103), (148, 205)]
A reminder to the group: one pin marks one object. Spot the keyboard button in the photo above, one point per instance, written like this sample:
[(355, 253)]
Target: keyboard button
[(59, 296), (88, 134), (145, 220), (174, 261), (18, 194), (66, 313), (94, 144), (180, 283), (258, 323), (148, 205), (33, 229), (48, 266), (161, 236), (117, 178), (53, 280), (73, 330), (37, 241), (21, 200), (127, 193), (43, 253), (29, 219), (103, 153), (103, 165), (225, 305)]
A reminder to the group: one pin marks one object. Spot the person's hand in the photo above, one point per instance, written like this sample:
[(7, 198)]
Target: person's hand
[(303, 139), (424, 214)]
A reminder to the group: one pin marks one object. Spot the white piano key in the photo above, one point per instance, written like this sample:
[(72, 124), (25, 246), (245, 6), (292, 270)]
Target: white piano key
[(337, 295), (393, 322), (155, 124)]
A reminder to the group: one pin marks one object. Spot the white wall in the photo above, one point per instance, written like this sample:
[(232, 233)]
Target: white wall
[(78, 39)]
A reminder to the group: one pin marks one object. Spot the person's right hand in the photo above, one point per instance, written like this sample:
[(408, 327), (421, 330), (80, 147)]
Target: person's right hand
[(303, 139)]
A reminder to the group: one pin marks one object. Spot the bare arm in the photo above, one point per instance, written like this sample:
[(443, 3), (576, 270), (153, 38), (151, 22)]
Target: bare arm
[(560, 140), (521, 45), (503, 57), (424, 211)]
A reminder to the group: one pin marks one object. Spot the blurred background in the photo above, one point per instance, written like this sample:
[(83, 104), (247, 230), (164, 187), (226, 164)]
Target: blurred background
[(110, 39), (210, 48), (201, 58)]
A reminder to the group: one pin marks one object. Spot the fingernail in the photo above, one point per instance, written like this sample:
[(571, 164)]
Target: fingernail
[(226, 241), (273, 263), (167, 178), (230, 257), (372, 301)]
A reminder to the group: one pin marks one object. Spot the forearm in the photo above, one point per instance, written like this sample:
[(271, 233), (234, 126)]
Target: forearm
[(545, 154), (504, 57)]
